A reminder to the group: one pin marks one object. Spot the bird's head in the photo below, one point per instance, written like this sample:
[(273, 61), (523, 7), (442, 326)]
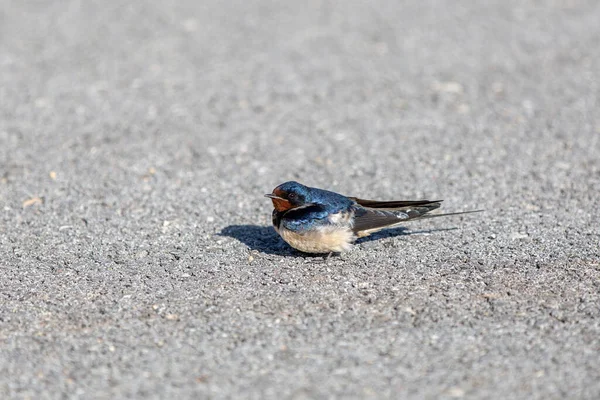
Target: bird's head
[(289, 195)]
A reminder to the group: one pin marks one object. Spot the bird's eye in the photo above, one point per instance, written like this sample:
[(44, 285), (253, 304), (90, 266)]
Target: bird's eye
[(292, 196)]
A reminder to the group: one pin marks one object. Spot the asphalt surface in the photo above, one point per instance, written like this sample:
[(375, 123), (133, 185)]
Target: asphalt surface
[(138, 138)]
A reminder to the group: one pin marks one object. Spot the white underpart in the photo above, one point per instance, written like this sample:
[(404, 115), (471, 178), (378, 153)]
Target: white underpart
[(334, 238), (340, 219), (367, 232), (319, 241)]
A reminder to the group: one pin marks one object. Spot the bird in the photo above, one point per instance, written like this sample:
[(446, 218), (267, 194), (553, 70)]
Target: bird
[(320, 221)]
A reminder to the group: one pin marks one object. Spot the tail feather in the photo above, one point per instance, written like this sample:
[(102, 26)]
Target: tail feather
[(372, 216), (369, 219), (394, 204), (450, 214)]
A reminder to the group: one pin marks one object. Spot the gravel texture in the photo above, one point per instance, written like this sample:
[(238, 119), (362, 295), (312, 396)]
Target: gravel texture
[(137, 140)]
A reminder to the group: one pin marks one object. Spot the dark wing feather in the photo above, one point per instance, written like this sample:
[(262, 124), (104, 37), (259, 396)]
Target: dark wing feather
[(369, 219), (394, 203)]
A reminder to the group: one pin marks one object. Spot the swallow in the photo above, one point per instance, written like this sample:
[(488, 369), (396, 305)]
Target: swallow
[(320, 221)]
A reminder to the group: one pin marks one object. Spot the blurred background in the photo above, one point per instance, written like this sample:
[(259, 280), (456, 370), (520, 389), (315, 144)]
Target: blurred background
[(407, 98)]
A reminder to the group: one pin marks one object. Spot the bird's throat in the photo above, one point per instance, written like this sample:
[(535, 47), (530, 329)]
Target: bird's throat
[(282, 205)]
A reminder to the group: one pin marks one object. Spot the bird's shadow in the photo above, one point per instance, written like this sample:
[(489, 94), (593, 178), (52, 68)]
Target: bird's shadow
[(264, 238), (259, 238)]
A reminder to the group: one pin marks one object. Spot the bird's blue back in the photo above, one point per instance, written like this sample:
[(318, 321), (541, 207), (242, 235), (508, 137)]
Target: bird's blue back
[(333, 202)]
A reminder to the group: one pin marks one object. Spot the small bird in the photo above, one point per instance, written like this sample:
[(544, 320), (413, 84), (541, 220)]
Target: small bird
[(320, 221)]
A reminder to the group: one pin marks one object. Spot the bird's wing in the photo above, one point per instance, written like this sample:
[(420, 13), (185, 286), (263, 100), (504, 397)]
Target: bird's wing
[(304, 217), (395, 203), (371, 216)]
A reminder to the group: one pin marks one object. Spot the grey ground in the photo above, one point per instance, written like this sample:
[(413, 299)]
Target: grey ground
[(137, 139)]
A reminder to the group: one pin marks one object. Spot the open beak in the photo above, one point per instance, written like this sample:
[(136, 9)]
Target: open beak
[(272, 196)]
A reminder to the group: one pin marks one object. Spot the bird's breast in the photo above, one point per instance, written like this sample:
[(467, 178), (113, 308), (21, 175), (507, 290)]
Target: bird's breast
[(325, 239)]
